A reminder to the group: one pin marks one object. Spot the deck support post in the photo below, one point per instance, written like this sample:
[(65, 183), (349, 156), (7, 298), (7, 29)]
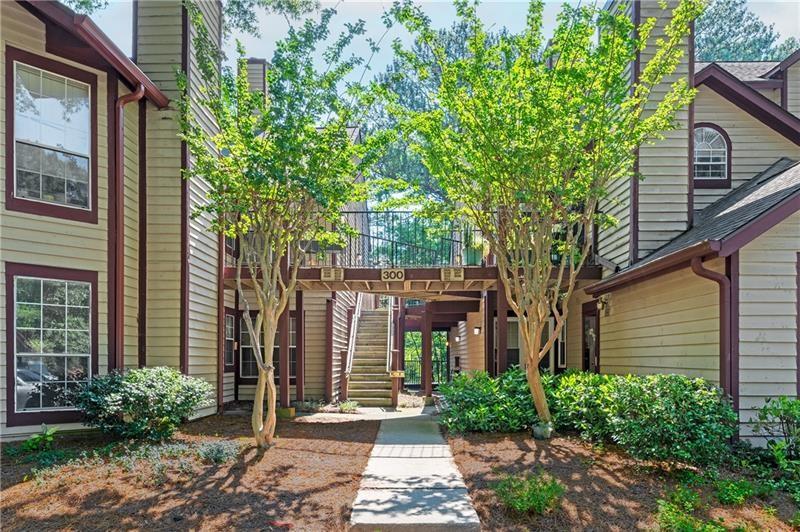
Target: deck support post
[(300, 346), (427, 352), (283, 349), (489, 308)]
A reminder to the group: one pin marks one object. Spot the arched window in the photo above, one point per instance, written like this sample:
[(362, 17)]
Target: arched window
[(712, 156)]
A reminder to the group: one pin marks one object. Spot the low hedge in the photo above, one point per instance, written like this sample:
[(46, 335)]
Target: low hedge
[(670, 418)]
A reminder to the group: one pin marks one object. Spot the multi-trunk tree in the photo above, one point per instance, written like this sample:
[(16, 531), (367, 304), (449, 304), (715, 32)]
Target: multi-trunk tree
[(280, 167), (526, 138)]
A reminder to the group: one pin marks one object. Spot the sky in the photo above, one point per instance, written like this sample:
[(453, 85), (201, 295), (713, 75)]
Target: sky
[(115, 20)]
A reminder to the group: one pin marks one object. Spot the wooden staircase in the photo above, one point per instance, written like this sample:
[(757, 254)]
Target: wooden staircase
[(370, 384)]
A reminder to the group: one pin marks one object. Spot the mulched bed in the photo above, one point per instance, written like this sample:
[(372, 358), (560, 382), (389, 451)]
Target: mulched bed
[(605, 490), (307, 481)]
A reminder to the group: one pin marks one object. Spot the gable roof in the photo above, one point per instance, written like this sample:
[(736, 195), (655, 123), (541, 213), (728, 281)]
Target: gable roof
[(744, 70), (783, 65), (724, 226), (87, 31), (749, 100)]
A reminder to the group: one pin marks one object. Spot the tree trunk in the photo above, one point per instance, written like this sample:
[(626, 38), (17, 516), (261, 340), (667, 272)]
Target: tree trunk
[(264, 429), (537, 390)]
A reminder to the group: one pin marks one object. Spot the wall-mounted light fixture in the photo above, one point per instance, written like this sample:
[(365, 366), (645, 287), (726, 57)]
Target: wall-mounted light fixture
[(476, 331), (458, 338)]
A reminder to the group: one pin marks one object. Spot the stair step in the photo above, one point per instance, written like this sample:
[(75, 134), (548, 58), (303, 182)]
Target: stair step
[(373, 401), (367, 386), (371, 377)]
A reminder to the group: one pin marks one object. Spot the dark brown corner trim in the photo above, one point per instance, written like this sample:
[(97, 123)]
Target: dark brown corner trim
[(39, 207), (713, 183), (13, 269), (634, 206), (690, 160), (184, 250), (750, 101), (732, 271), (797, 324)]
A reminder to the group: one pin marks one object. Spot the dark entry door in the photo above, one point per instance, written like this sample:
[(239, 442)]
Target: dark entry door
[(591, 337)]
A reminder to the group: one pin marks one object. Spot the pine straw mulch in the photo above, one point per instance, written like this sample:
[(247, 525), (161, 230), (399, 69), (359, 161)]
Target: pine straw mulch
[(605, 490), (307, 481)]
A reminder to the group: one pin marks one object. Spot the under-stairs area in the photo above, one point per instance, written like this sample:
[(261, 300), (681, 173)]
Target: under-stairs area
[(370, 384)]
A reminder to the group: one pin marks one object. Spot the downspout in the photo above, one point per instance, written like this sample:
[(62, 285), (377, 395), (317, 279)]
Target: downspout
[(724, 320), (119, 225)]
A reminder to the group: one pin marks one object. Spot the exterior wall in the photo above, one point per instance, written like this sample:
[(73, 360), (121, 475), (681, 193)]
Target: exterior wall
[(158, 52), (314, 308), (256, 73), (574, 326), (470, 348), (341, 328), (754, 146), (663, 194), (669, 324), (203, 245), (793, 89), (773, 94), (768, 349), (614, 242), (42, 240), (131, 232)]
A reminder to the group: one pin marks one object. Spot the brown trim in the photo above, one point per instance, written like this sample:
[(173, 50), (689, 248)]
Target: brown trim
[(634, 207), (119, 221), (113, 89), (13, 269), (142, 344), (750, 101), (690, 162), (426, 378), (655, 268), (732, 271), (797, 322), (329, 350), (184, 313), (221, 368), (471, 273), (724, 284), (227, 311), (590, 309), (86, 30), (790, 60), (135, 31), (761, 84), (713, 183), (300, 347), (785, 93), (42, 208)]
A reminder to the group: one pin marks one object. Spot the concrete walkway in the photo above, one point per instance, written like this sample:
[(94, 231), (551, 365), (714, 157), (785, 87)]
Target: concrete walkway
[(411, 481)]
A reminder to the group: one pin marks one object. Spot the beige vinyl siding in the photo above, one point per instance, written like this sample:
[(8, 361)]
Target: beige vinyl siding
[(256, 74), (773, 95), (574, 325), (793, 89), (669, 324), (41, 240), (768, 317), (343, 301), (204, 260), (314, 306), (470, 347), (754, 146), (457, 349), (228, 387), (614, 242), (663, 194), (159, 52), (131, 232)]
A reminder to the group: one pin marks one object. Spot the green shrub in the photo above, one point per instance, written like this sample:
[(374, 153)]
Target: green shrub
[(734, 492), (477, 402), (42, 441), (675, 513), (581, 401), (218, 452), (348, 407), (671, 418), (535, 494), (142, 403)]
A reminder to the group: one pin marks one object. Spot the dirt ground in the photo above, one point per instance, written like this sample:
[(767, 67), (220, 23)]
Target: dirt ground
[(308, 481), (604, 490)]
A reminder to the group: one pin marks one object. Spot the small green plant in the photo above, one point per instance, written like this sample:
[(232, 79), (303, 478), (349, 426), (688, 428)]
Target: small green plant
[(310, 405), (675, 513), (348, 407), (42, 441), (529, 494), (218, 452), (734, 492), (142, 403), (795, 520)]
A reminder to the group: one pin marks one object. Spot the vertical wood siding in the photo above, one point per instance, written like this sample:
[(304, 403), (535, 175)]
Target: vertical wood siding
[(663, 194), (32, 239), (669, 324), (754, 145), (768, 317)]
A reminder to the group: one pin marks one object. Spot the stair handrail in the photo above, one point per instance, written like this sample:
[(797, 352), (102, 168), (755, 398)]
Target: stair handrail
[(391, 335), (351, 342)]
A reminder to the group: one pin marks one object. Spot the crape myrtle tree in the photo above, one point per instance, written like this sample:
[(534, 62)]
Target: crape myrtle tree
[(526, 139), (280, 167)]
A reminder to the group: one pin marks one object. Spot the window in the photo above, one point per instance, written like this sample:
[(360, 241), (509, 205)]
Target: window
[(248, 367), (712, 153), (230, 340), (52, 167)]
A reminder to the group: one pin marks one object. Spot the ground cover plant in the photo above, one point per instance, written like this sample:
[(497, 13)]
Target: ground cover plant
[(529, 493), (209, 476)]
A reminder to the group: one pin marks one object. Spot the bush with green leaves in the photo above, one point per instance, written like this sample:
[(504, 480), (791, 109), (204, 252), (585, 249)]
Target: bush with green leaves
[(347, 407), (142, 403), (41, 441), (671, 418), (529, 494), (218, 452), (581, 401), (477, 402), (779, 420), (734, 492)]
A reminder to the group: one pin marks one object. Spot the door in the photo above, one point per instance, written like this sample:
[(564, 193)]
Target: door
[(591, 337), (514, 346)]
